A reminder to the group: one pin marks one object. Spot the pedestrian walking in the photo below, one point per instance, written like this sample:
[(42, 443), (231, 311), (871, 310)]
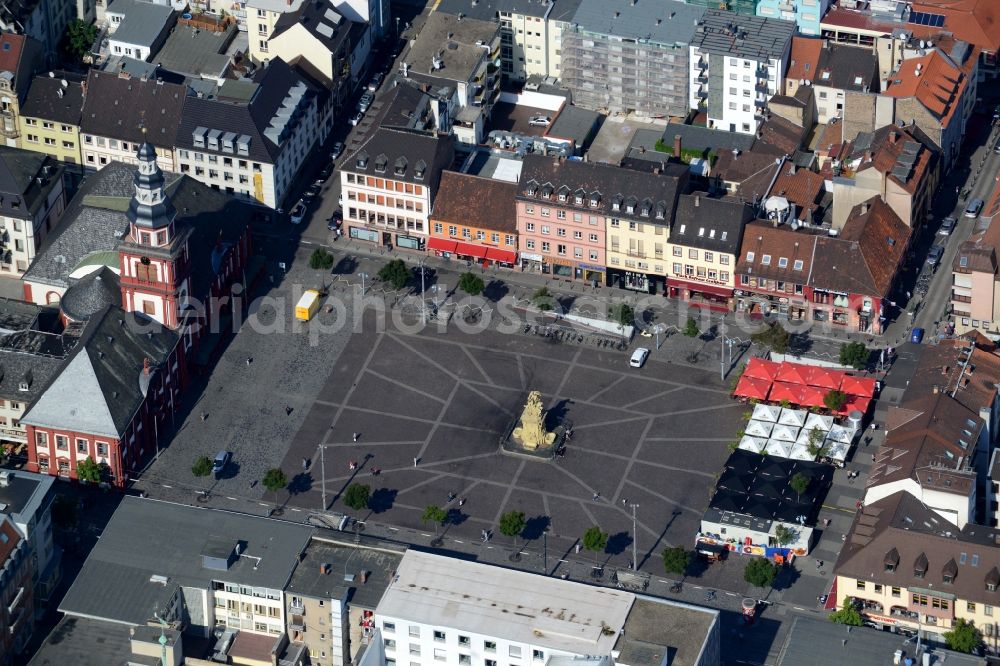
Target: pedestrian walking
[(305, 464), (249, 360), (353, 465), (288, 410), (415, 461), (624, 501), (597, 496), (356, 435), (461, 501)]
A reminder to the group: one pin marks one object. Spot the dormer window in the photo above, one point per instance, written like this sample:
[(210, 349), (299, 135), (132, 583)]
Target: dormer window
[(419, 170), (630, 209), (532, 190), (891, 560), (616, 203), (644, 211), (562, 196), (362, 161), (949, 571), (25, 383), (595, 200), (578, 199), (920, 566), (400, 166), (701, 231), (660, 212), (546, 191), (563, 193), (381, 162)]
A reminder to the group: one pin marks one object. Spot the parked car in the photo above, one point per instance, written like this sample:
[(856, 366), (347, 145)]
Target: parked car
[(335, 220), (974, 208), (916, 336), (540, 121), (311, 193), (934, 255), (996, 146), (639, 357), (338, 148), (356, 118), (376, 82), (947, 226), (365, 102), (298, 212), (220, 462)]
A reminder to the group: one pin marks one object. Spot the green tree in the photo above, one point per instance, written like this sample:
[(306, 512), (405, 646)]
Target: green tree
[(275, 480), (357, 496), (542, 299), (760, 571), (854, 354), (848, 614), (676, 559), (512, 524), (395, 273), (783, 536), (963, 637), (202, 466), (835, 400), (774, 337), (800, 483), (471, 284), (594, 539), (817, 442), (435, 515), (622, 314), (78, 39), (88, 471), (691, 328), (321, 259)]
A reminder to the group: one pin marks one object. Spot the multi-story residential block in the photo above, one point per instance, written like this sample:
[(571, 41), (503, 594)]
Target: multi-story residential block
[(704, 244), (20, 58), (335, 46), (474, 219), (530, 34), (583, 220), (806, 14), (975, 281), (32, 200), (263, 15), (462, 55), (905, 567), (251, 138), (121, 112), (222, 569), (427, 612), (17, 603), (138, 28), (736, 67), (936, 93), (51, 115), (388, 186), (332, 596), (622, 56), (44, 21), (832, 71), (901, 165), (800, 273), (27, 500)]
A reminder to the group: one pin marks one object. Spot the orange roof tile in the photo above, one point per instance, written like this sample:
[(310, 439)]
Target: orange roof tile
[(10, 56), (804, 58), (973, 21), (801, 187), (934, 80)]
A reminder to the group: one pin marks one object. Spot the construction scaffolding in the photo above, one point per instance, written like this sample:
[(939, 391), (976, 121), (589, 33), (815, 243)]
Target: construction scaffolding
[(620, 75)]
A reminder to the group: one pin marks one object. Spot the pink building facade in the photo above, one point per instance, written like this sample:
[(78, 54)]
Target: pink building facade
[(561, 239)]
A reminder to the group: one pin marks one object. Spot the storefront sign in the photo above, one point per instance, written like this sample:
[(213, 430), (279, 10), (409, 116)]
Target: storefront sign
[(531, 257), (13, 433), (636, 281)]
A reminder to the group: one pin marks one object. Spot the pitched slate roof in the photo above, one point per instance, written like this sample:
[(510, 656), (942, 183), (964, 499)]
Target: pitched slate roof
[(320, 19), (902, 523), (22, 194), (652, 196), (410, 156), (752, 37), (120, 107), (737, 165), (782, 248), (482, 203), (846, 68), (103, 377), (91, 294), (49, 99), (903, 154), (710, 224)]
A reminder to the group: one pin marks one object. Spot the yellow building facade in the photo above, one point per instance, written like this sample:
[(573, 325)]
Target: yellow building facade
[(49, 121)]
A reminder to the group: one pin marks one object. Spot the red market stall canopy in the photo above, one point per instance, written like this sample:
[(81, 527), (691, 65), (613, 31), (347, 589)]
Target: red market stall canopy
[(862, 386), (786, 391), (760, 368), (855, 402), (751, 387), (824, 377), (793, 373)]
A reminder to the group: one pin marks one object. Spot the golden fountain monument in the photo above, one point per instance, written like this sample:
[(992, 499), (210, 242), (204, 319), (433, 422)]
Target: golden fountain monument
[(531, 434)]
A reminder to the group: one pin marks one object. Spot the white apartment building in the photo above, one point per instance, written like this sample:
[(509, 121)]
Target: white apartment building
[(736, 67), (459, 613), (388, 186), (252, 149), (263, 15), (32, 200)]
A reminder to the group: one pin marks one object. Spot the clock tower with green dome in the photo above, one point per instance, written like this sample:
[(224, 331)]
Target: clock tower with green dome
[(153, 258)]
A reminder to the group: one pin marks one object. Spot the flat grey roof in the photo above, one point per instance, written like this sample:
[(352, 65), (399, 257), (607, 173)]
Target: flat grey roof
[(196, 52), (378, 560), (515, 605), (751, 37), (573, 123), (664, 22), (77, 640), (823, 643), (439, 34), (143, 22), (660, 631), (486, 10), (115, 584), (25, 491)]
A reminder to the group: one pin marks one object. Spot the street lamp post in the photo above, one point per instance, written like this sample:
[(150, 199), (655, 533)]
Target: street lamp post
[(635, 538), (363, 276), (423, 295)]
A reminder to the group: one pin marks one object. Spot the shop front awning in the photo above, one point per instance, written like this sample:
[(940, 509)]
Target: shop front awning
[(441, 244), (470, 250), (711, 290), (503, 256)]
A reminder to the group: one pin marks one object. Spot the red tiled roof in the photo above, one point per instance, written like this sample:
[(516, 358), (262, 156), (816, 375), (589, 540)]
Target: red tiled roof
[(10, 55), (973, 21), (779, 243), (801, 187), (804, 58), (474, 201), (934, 80)]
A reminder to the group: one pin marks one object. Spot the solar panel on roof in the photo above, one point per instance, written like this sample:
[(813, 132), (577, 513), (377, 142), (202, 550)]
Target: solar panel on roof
[(928, 19)]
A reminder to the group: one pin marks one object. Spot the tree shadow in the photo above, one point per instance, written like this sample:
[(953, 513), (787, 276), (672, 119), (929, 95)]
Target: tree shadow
[(617, 543), (382, 500), (496, 290), (346, 266), (787, 576), (535, 527), (300, 483), (799, 343), (711, 334), (566, 302), (455, 517), (697, 566)]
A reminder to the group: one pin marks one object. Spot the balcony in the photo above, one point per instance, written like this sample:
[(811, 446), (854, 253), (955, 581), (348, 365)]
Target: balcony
[(760, 102), (904, 613), (637, 254), (296, 607), (702, 92), (702, 77), (761, 71), (17, 600), (297, 623), (761, 87), (867, 606)]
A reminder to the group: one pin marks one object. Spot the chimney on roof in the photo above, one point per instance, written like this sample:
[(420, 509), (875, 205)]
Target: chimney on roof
[(893, 136), (145, 366), (936, 389), (868, 156), (677, 146), (864, 208)]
